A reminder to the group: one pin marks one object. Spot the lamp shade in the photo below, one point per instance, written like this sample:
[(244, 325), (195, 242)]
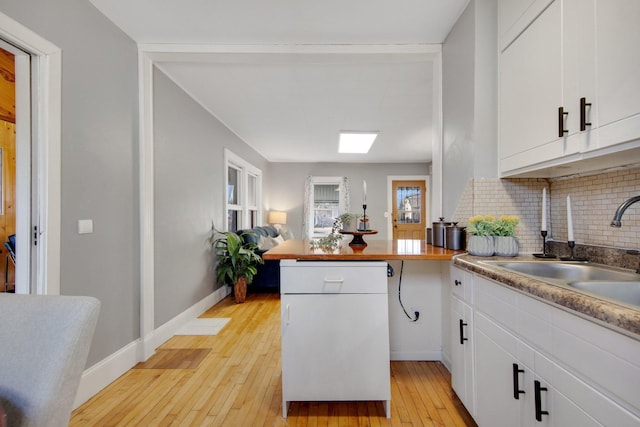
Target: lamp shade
[(276, 217)]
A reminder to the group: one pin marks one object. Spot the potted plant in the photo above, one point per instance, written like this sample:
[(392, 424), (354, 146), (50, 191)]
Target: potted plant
[(489, 235), (237, 261), (348, 221)]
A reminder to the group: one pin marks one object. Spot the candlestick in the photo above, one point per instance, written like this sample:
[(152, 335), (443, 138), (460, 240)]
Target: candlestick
[(569, 221), (364, 187), (571, 245), (544, 253), (543, 227)]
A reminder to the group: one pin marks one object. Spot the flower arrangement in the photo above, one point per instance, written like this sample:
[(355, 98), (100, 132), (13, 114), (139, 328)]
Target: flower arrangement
[(488, 225)]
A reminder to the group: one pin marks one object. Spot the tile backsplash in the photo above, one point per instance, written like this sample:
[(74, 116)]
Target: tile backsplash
[(594, 200)]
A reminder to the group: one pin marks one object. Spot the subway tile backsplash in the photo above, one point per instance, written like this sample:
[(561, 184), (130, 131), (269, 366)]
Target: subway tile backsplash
[(594, 200)]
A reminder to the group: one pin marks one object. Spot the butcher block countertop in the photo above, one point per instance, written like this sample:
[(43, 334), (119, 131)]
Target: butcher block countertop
[(376, 250)]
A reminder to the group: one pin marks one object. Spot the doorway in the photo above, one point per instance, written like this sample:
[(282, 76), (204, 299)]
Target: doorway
[(7, 169), (409, 209), (38, 101)]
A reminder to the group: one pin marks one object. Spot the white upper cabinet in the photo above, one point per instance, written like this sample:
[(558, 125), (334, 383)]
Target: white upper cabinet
[(569, 85), (618, 70)]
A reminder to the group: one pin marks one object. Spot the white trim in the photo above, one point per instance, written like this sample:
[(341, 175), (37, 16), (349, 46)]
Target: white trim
[(47, 64), (417, 355), (147, 286), (437, 150), (427, 188), (177, 51), (103, 373), (23, 165)]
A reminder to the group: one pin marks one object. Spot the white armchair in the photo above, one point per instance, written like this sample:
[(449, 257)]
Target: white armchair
[(44, 343)]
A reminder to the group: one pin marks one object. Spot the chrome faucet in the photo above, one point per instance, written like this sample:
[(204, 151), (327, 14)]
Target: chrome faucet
[(623, 207)]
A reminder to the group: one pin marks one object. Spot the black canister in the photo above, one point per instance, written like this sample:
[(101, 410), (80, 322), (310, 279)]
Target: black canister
[(455, 237), (438, 232), (429, 236)]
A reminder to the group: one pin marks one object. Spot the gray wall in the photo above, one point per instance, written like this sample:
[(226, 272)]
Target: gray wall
[(99, 164), (469, 88), (285, 188), (189, 177)]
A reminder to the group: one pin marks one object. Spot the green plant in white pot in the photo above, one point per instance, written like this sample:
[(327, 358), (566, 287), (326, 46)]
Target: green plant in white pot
[(348, 221), (237, 261), (490, 236)]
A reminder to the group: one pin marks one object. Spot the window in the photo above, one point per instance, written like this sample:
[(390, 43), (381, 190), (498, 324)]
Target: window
[(243, 193), (325, 199)]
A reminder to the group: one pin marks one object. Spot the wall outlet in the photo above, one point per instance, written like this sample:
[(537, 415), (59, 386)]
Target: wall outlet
[(413, 311)]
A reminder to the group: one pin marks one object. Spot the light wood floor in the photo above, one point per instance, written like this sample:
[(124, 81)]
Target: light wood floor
[(234, 379)]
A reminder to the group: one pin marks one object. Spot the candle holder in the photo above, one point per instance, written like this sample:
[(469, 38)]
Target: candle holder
[(572, 244), (544, 253), (364, 222)]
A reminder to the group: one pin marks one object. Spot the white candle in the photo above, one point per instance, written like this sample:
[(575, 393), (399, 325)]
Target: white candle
[(364, 197), (543, 227), (569, 221)]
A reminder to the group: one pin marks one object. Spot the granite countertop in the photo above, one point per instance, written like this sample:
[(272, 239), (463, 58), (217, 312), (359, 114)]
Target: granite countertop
[(619, 316)]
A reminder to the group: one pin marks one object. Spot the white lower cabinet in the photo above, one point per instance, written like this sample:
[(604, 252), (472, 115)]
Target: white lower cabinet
[(335, 332), (510, 393), (462, 341), (538, 365)]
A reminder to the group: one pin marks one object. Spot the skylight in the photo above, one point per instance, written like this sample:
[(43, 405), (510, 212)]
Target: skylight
[(356, 142)]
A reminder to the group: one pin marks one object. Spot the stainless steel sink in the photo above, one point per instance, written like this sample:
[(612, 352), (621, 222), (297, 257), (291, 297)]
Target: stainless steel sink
[(568, 271), (609, 282), (628, 292)]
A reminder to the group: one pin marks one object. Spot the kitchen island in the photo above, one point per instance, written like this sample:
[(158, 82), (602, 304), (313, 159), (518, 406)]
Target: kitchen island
[(335, 317)]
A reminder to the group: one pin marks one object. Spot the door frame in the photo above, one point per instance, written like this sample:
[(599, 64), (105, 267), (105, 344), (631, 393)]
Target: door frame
[(390, 195), (43, 267)]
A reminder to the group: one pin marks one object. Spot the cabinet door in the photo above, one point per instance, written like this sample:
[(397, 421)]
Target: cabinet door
[(495, 383), (335, 347), (530, 94), (618, 70), (462, 354)]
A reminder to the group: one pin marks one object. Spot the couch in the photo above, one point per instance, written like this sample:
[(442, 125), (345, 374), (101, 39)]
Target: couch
[(265, 237)]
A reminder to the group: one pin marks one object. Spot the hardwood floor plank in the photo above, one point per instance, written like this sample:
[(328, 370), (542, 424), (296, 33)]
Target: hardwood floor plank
[(239, 383)]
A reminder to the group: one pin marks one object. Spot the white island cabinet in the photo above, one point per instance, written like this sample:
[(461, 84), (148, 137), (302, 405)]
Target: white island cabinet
[(335, 331)]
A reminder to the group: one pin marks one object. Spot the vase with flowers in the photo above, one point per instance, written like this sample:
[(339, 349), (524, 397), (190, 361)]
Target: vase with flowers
[(493, 236)]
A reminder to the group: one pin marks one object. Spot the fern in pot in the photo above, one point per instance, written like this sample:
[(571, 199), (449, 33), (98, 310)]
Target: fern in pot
[(237, 261)]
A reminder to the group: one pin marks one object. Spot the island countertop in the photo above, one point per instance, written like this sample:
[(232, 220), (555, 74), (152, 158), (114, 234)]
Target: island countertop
[(376, 250)]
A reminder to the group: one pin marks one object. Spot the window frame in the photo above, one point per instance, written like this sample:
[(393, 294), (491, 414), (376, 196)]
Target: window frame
[(246, 171)]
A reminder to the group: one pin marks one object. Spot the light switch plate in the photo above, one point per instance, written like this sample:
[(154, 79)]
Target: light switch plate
[(85, 226)]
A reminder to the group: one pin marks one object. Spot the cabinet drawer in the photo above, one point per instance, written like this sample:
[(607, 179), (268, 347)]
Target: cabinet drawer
[(333, 277), (462, 284), (496, 301)]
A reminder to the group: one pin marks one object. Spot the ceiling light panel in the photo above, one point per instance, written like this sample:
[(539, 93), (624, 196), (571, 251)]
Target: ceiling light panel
[(356, 142)]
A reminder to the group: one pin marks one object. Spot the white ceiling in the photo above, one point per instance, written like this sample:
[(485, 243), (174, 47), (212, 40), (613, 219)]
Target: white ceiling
[(359, 65)]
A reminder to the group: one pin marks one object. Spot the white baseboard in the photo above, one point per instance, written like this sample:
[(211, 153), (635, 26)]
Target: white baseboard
[(103, 373), (430, 355)]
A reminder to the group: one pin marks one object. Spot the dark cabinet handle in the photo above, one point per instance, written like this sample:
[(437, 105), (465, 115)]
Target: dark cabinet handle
[(516, 382), (538, 400), (561, 129), (583, 114), (457, 282), (462, 325)]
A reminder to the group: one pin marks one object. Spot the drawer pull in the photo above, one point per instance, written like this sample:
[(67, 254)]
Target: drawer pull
[(288, 317), (583, 114), (333, 280), (457, 282), (516, 382), (561, 129), (538, 400), (462, 324)]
